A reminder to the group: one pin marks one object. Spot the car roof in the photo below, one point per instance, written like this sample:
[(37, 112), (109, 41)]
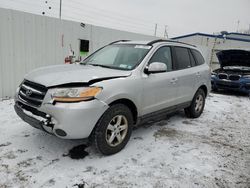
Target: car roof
[(133, 42), (156, 43)]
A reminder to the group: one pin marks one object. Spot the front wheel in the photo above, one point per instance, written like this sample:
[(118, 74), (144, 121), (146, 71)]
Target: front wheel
[(113, 130), (197, 105)]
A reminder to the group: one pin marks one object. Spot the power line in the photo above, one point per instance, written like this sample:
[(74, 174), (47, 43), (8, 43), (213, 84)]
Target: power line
[(113, 13), (87, 14), (135, 30), (97, 13), (117, 24), (88, 11)]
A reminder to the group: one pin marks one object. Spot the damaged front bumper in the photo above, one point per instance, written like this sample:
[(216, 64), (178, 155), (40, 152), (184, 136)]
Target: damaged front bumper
[(65, 120), (28, 117)]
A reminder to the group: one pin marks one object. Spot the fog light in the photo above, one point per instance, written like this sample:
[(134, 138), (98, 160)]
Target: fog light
[(60, 132)]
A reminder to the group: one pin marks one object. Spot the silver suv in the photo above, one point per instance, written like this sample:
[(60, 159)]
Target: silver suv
[(114, 89)]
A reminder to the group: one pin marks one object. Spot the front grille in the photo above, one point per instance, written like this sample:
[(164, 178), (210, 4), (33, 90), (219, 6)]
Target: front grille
[(228, 85), (222, 76), (32, 93), (234, 77)]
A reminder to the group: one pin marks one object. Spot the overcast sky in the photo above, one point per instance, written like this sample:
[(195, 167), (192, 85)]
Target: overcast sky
[(180, 16)]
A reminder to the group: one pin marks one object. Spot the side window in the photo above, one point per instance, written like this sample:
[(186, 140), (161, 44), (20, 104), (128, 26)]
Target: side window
[(199, 58), (182, 58), (163, 55)]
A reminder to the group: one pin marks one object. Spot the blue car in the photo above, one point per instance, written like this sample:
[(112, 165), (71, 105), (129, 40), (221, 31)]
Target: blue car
[(234, 71)]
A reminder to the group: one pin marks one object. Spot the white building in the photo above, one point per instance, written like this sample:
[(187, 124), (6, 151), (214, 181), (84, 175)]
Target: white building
[(29, 41), (211, 44)]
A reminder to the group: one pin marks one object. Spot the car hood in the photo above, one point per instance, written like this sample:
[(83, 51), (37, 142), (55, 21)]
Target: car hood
[(234, 58), (69, 74)]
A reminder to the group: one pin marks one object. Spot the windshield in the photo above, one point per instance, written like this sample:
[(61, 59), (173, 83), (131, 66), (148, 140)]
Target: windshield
[(119, 56)]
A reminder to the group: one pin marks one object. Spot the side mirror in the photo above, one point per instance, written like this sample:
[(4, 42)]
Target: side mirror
[(156, 67)]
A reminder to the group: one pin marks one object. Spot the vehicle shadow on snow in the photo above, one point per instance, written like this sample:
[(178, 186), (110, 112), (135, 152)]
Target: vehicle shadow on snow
[(79, 149), (74, 149)]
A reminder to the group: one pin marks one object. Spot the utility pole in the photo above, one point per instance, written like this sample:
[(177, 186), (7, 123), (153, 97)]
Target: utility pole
[(166, 32), (238, 24), (155, 29), (212, 52), (60, 10)]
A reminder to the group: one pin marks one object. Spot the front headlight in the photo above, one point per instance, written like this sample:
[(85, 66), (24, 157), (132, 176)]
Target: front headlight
[(213, 74), (74, 94)]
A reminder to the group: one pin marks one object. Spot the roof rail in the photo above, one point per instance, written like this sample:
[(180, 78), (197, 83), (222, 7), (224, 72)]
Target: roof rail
[(164, 40), (118, 41)]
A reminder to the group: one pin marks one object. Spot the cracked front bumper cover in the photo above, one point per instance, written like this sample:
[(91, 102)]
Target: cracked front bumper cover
[(28, 119)]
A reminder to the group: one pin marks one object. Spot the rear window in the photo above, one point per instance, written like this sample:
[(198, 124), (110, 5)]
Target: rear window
[(182, 57), (198, 57)]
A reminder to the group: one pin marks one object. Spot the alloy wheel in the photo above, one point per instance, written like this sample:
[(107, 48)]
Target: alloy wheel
[(117, 130), (199, 103)]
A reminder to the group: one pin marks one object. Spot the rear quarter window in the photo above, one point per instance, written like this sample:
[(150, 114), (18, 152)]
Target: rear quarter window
[(198, 57), (192, 60)]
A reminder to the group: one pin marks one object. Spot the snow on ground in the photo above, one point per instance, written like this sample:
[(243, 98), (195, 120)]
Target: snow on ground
[(211, 151)]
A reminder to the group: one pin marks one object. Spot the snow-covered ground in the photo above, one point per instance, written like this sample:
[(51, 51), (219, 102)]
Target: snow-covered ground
[(211, 151)]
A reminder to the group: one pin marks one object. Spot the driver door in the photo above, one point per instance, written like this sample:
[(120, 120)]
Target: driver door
[(160, 89)]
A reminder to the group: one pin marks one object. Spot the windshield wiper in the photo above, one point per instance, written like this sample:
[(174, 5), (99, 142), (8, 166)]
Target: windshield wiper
[(84, 62), (99, 65)]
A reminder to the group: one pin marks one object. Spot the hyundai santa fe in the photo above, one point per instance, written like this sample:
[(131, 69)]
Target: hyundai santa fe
[(114, 89)]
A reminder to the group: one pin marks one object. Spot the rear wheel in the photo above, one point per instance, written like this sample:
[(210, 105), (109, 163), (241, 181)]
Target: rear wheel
[(197, 105), (113, 130)]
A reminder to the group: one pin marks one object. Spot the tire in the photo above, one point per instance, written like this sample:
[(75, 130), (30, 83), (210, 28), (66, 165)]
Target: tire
[(113, 130), (194, 111)]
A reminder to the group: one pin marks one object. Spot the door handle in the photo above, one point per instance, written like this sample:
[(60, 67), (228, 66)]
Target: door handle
[(173, 81), (198, 74)]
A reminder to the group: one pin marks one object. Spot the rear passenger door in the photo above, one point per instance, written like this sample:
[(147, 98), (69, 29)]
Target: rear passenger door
[(183, 62)]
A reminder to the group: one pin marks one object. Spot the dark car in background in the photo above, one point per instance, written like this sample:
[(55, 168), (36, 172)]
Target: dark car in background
[(234, 71)]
